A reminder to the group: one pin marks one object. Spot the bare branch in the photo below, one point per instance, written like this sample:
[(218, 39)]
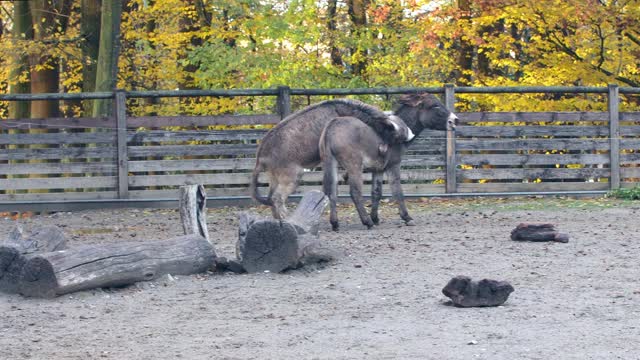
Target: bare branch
[(632, 37), (601, 37)]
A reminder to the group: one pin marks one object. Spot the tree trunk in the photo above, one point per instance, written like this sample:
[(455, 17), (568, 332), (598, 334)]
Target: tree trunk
[(17, 250), (44, 80), (19, 75), (90, 32), (45, 69), (20, 83), (358, 16), (465, 54), (61, 272), (332, 7), (106, 70)]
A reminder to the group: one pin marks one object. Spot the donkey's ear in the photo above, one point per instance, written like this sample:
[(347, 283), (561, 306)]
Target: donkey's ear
[(389, 123), (428, 101), (412, 100)]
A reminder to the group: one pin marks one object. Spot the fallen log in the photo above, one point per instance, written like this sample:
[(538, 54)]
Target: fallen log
[(53, 273), (538, 232), (266, 244), (111, 265), (18, 248)]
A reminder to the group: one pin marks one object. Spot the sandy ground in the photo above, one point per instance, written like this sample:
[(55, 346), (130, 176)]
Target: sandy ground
[(380, 299)]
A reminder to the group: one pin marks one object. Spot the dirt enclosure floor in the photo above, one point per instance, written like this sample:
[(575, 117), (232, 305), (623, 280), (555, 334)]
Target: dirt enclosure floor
[(380, 299)]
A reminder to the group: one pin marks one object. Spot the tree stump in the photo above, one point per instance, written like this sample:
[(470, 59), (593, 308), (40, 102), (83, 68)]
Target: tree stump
[(538, 232), (465, 292), (193, 210), (266, 244), (17, 249), (108, 265)]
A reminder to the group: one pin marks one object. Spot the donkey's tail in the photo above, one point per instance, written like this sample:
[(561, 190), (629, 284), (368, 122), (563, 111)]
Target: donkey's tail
[(329, 164), (255, 194)]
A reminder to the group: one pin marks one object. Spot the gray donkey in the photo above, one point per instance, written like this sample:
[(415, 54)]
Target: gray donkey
[(293, 144), (350, 143)]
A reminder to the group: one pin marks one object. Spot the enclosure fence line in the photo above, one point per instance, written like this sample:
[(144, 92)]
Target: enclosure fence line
[(123, 160)]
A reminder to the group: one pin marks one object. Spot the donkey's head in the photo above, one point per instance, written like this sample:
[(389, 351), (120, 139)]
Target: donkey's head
[(398, 132), (422, 111)]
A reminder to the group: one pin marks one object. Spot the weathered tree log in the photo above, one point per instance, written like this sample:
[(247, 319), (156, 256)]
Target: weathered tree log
[(311, 251), (266, 244), (306, 217), (465, 292), (538, 232), (17, 249), (193, 210), (108, 265)]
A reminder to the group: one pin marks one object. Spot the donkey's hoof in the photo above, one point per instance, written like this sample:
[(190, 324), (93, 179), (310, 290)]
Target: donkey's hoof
[(335, 226), (410, 223), (375, 220)]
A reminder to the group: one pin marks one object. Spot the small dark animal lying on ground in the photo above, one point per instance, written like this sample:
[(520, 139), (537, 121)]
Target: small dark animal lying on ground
[(350, 143), (292, 145)]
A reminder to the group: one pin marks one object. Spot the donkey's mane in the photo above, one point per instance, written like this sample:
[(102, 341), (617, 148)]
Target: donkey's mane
[(368, 114), (415, 100)]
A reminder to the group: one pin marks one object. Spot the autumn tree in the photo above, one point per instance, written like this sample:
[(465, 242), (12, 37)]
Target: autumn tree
[(199, 44), (49, 19), (19, 79), (108, 52), (90, 45)]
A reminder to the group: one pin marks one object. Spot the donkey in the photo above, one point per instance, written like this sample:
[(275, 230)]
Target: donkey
[(350, 143), (292, 145)]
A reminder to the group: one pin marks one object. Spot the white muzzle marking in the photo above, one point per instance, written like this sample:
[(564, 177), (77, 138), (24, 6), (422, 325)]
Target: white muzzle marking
[(410, 134), (452, 121)]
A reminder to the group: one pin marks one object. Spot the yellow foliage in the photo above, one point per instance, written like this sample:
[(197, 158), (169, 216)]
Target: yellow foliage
[(169, 44)]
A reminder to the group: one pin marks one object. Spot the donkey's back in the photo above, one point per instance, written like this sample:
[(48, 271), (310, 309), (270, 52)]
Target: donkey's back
[(295, 139)]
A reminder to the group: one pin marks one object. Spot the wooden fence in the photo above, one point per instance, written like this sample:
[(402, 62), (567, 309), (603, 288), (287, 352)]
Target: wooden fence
[(82, 162)]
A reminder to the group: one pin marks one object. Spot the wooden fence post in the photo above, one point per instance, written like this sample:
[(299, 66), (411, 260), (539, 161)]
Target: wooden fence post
[(284, 101), (451, 161), (123, 159), (614, 135)]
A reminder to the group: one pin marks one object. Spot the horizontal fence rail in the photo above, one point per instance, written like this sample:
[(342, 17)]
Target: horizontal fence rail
[(121, 160)]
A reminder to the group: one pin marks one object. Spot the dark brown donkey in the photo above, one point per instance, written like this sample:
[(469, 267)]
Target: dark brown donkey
[(350, 143), (292, 145)]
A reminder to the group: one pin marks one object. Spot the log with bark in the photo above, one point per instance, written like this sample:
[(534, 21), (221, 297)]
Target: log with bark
[(18, 249), (538, 232), (108, 265), (53, 273), (267, 244)]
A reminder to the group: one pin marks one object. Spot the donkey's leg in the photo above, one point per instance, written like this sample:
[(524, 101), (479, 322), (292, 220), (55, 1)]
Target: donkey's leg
[(355, 189), (286, 185), (330, 188), (376, 195), (396, 190), (273, 186)]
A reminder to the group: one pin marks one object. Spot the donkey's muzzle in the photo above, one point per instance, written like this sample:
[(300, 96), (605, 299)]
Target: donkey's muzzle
[(452, 121)]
